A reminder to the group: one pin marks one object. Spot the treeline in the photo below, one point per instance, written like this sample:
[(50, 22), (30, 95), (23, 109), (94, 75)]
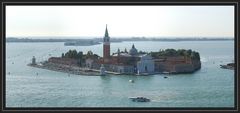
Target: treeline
[(79, 56), (172, 52)]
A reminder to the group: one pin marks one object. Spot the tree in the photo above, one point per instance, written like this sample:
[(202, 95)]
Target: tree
[(189, 52), (74, 54), (80, 58), (71, 54), (173, 52), (80, 54), (142, 52), (170, 52), (181, 52), (89, 53), (195, 55)]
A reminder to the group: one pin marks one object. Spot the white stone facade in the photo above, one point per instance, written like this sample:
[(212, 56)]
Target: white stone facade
[(89, 63), (145, 65)]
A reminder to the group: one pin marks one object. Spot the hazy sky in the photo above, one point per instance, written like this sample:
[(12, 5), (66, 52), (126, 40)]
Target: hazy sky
[(126, 21)]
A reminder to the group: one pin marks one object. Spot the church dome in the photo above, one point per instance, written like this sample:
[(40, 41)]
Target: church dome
[(133, 50)]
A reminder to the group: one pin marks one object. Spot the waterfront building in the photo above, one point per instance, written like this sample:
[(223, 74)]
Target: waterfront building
[(145, 64), (63, 61), (175, 64), (89, 63)]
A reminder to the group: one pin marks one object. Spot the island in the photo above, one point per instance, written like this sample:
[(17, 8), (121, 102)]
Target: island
[(81, 43), (125, 62)]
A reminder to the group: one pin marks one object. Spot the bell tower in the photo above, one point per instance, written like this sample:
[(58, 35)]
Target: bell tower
[(106, 45)]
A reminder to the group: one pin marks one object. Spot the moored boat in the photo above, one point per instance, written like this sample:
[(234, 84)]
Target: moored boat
[(139, 99)]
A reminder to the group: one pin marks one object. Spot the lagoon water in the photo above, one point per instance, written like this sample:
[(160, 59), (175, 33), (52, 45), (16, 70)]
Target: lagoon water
[(211, 86)]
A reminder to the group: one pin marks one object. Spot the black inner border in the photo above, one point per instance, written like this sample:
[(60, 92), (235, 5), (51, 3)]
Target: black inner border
[(236, 9)]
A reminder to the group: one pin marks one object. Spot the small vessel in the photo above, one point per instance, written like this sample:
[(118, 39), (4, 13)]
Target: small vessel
[(165, 77), (132, 81), (139, 99)]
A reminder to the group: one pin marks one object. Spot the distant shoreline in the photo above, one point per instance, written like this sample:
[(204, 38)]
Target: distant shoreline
[(12, 39)]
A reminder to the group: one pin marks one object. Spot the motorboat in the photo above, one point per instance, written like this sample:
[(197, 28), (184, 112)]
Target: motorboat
[(139, 99), (132, 81)]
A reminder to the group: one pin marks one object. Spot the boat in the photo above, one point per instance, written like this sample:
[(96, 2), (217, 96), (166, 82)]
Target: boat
[(132, 81), (139, 99)]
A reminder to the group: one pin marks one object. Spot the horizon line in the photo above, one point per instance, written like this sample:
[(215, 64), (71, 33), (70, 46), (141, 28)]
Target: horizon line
[(126, 36)]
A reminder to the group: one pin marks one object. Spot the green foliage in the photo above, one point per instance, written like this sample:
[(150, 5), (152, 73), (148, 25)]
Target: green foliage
[(79, 56), (195, 55), (181, 52), (173, 52), (142, 52), (71, 54), (89, 53), (170, 52)]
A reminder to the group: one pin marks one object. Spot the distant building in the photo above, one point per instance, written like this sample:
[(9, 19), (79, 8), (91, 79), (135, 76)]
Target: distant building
[(63, 61), (178, 64), (33, 60)]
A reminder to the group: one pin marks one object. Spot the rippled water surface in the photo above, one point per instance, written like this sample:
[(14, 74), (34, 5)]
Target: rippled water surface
[(209, 87)]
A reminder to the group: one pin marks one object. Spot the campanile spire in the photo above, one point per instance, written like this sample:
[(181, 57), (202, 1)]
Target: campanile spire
[(106, 32)]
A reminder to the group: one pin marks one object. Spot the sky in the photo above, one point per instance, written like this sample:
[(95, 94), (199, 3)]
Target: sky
[(122, 21)]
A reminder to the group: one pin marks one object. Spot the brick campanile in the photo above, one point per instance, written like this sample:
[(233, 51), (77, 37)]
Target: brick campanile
[(106, 45)]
